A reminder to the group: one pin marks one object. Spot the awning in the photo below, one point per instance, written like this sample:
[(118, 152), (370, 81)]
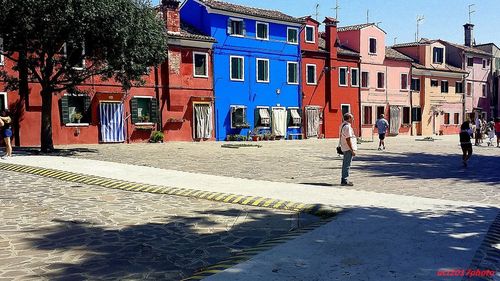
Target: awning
[(295, 116), (264, 116)]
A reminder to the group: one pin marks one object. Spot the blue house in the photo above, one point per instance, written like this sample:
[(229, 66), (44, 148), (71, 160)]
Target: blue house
[(256, 67)]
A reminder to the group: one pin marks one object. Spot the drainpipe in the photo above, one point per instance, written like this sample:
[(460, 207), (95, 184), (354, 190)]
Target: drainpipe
[(410, 77), (360, 108), (157, 92)]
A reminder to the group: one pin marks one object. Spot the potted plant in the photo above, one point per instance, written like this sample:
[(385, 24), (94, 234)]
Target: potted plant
[(77, 117), (144, 118), (156, 137)]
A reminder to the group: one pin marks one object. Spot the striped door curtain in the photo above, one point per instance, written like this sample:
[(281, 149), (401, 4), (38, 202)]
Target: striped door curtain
[(112, 123)]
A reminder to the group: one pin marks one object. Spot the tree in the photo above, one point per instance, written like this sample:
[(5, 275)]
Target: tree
[(48, 39)]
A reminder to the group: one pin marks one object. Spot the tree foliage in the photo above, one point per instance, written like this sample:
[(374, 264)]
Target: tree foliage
[(118, 39)]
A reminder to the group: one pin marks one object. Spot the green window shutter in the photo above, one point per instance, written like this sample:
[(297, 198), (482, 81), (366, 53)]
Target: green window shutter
[(229, 27), (87, 112), (133, 111), (65, 110), (244, 30), (154, 111), (256, 117)]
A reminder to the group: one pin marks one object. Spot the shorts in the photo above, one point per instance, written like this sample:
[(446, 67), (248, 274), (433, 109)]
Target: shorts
[(498, 135), (7, 133), (466, 147), (381, 136)]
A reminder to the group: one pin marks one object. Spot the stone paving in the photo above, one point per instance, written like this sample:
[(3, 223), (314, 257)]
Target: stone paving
[(407, 167), (56, 230)]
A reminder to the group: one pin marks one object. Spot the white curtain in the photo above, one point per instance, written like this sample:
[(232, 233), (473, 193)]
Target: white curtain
[(312, 122), (279, 122), (395, 120), (203, 120)]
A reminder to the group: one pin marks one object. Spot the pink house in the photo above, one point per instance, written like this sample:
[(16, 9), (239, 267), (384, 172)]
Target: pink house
[(385, 79)]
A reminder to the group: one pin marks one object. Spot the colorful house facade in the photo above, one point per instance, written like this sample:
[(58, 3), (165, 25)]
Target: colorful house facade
[(494, 51), (256, 65), (176, 98), (330, 80)]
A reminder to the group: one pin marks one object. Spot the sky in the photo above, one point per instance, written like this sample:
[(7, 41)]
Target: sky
[(443, 19)]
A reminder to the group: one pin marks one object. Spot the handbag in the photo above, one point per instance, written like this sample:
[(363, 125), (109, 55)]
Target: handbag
[(339, 150)]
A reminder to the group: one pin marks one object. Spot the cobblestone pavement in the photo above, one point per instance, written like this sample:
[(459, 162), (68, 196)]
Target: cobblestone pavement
[(56, 230), (407, 167)]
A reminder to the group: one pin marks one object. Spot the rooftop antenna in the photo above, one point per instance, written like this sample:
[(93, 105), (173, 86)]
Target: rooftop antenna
[(317, 11), (337, 8), (471, 12), (419, 20), (395, 40), (367, 16), (377, 23)]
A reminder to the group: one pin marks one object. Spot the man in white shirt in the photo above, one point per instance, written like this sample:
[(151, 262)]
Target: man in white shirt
[(382, 126), (349, 145)]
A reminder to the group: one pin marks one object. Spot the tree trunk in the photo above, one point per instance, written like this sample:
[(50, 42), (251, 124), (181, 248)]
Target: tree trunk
[(23, 103), (47, 145)]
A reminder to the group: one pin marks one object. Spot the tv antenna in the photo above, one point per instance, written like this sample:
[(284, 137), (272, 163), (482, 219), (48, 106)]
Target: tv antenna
[(317, 11), (419, 20), (367, 16), (471, 12), (337, 8)]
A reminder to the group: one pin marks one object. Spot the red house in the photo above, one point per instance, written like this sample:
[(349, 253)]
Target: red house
[(177, 99), (330, 80)]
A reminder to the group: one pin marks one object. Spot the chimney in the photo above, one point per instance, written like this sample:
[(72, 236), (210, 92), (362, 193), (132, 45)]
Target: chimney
[(171, 15), (469, 34), (331, 36)]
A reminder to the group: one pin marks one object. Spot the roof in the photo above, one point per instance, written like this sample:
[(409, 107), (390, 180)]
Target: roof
[(189, 32), (447, 68), (261, 13), (342, 50), (390, 53), (357, 27), (305, 18), (423, 41), (467, 49)]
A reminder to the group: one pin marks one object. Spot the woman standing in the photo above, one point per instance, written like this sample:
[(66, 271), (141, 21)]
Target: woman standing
[(465, 142), (6, 132)]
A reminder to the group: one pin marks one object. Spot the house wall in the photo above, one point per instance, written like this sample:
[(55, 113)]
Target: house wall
[(396, 95)]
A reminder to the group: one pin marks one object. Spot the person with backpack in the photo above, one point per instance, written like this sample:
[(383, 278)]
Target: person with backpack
[(465, 142)]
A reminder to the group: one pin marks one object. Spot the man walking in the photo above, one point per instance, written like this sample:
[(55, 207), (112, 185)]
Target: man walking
[(382, 126), (349, 145)]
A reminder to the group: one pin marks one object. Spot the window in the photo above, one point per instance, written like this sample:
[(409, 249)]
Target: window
[(75, 55), (311, 74), (346, 108), (292, 72), (310, 37), (262, 30), (2, 58), (404, 81), (262, 117), (236, 27), (469, 88), (444, 86), (437, 55), (144, 110), (343, 76), (447, 119), (367, 115), (292, 36), (354, 77), (373, 46), (416, 114), (470, 62), (484, 64), (406, 115), (459, 87), (434, 83), (262, 70), (237, 68), (75, 109), (239, 117), (294, 117), (456, 118), (380, 110), (364, 79), (484, 90), (415, 84), (3, 101), (200, 64), (380, 80)]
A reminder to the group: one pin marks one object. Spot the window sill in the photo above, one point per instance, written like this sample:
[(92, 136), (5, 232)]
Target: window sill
[(294, 127), (266, 82), (200, 76), (237, 35), (292, 43), (262, 39), (144, 124), (237, 80), (292, 83), (77, 125), (312, 84), (310, 42)]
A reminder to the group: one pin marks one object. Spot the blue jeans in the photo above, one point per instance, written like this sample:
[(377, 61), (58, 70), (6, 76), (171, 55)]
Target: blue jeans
[(346, 165)]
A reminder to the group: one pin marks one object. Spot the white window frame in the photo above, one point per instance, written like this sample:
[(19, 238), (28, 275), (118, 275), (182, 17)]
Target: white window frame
[(66, 55), (378, 72), (2, 57), (345, 104), (231, 68), (257, 70), (313, 33), (296, 36), (256, 30), (288, 73), (315, 74), (346, 76), (357, 71), (242, 31), (76, 124), (269, 111), (231, 113), (150, 100), (434, 59), (301, 117), (4, 94), (369, 51), (194, 65), (367, 80), (401, 81), (419, 84)]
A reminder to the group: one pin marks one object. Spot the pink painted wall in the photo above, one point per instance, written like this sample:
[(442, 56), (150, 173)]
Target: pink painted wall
[(365, 35), (478, 76), (350, 39)]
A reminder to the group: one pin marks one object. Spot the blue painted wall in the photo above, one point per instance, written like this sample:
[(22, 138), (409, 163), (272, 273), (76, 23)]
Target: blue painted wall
[(249, 92)]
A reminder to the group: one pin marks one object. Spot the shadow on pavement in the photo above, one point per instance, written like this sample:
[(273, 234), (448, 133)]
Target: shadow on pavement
[(27, 151)]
